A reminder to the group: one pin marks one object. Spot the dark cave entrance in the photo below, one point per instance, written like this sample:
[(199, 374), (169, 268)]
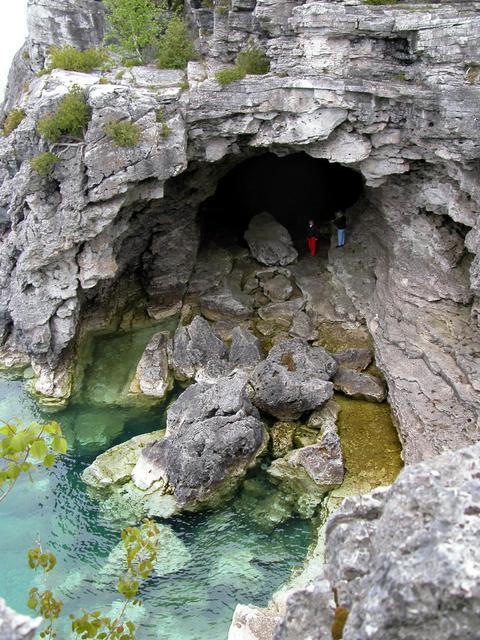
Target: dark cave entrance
[(292, 188)]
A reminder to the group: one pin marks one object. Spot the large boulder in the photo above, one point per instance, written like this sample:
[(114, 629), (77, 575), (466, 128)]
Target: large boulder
[(293, 379), (358, 385), (153, 376), (214, 435), (402, 562), (269, 241)]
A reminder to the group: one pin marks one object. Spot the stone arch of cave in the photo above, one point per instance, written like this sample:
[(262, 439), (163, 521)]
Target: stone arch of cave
[(293, 188)]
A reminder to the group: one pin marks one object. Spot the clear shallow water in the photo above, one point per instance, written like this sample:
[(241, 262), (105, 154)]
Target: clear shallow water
[(227, 558)]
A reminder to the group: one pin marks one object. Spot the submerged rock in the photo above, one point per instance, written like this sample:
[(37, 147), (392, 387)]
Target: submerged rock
[(362, 386), (214, 435), (172, 556), (269, 242), (281, 438), (153, 377), (293, 379)]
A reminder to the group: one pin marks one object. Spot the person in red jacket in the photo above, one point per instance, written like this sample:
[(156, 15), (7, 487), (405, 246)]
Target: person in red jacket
[(312, 237)]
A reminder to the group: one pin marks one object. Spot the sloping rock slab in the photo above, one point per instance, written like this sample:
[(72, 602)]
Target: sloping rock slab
[(245, 351), (354, 358), (362, 386), (269, 241), (115, 466), (214, 435)]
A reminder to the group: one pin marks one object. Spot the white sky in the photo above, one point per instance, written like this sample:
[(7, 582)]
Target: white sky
[(13, 30)]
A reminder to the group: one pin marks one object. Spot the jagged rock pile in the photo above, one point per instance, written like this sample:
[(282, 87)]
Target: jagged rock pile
[(214, 430)]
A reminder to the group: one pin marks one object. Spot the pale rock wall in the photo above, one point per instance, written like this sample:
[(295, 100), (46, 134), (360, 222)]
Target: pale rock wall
[(385, 90)]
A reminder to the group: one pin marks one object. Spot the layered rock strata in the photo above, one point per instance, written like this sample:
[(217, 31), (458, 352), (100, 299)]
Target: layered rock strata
[(374, 88)]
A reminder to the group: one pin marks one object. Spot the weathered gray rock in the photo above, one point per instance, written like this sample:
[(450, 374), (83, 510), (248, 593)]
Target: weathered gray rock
[(276, 285), (245, 350), (252, 623), (14, 626), (310, 614), (269, 242), (287, 394), (153, 376), (196, 353), (384, 559), (359, 385), (397, 582), (298, 355), (213, 436), (293, 379), (354, 358)]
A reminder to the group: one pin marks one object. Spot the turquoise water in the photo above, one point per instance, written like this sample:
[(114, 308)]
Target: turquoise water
[(223, 557)]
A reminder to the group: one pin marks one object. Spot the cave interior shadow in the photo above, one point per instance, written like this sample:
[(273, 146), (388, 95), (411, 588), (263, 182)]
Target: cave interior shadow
[(293, 188)]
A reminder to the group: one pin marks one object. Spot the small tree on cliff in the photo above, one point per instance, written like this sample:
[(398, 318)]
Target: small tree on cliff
[(135, 25)]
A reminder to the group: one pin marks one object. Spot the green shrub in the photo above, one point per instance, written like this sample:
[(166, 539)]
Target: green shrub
[(124, 134), (70, 119), (44, 163), (253, 61), (72, 59), (174, 47), (13, 119), (165, 130), (229, 75), (103, 80), (134, 25)]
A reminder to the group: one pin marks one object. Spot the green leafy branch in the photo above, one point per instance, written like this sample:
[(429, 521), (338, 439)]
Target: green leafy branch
[(23, 448), (140, 545)]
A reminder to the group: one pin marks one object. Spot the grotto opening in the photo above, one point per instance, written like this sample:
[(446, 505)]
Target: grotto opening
[(292, 187)]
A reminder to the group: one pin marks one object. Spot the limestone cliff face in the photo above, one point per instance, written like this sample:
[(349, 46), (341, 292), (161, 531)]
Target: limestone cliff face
[(390, 91)]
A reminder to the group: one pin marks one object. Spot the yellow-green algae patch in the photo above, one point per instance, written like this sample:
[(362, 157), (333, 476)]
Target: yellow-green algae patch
[(370, 446)]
